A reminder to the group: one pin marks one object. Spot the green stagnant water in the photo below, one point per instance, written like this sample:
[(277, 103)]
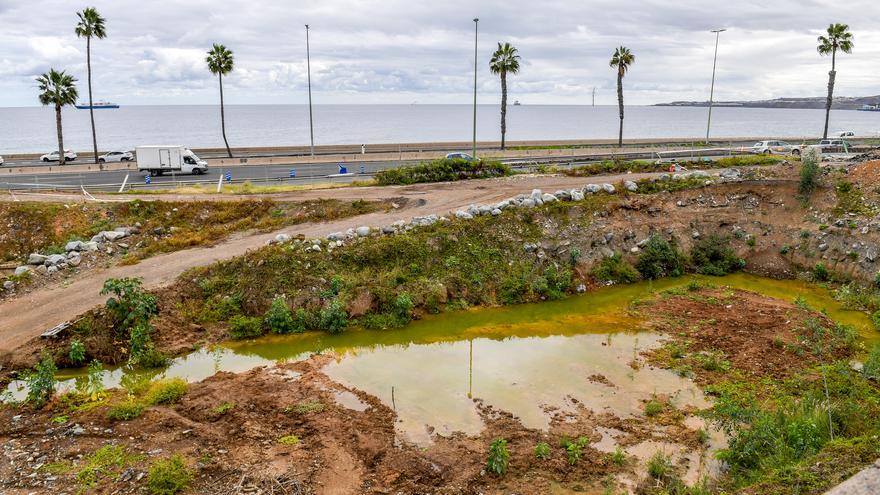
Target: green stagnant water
[(523, 359)]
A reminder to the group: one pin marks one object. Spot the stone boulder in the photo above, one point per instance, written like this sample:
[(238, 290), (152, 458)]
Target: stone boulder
[(548, 198), (21, 270), (608, 188), (592, 188), (463, 215), (36, 259), (55, 260), (630, 186), (363, 231), (74, 246)]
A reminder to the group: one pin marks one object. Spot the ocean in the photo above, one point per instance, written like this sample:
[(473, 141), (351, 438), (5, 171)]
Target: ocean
[(32, 129)]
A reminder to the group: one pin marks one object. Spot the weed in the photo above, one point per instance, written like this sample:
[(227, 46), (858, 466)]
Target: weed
[(618, 457), (659, 259), (334, 319), (129, 305), (653, 407), (442, 170), (875, 319), (542, 451), (223, 408), (60, 419), (278, 318), (41, 381), (809, 173), (498, 458), (94, 386), (166, 392), (289, 440), (712, 361), (750, 242), (871, 367), (77, 353), (702, 436), (108, 461), (615, 269), (574, 450), (820, 272), (403, 306), (125, 411), (245, 327), (168, 476), (659, 466), (305, 407)]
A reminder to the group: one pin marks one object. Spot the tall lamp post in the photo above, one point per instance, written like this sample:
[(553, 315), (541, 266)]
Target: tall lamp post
[(309, 72), (476, 30), (712, 88)]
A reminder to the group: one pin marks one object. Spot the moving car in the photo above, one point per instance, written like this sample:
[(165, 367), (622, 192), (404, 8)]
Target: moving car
[(169, 158), (460, 156), (116, 156), (771, 147), (52, 156)]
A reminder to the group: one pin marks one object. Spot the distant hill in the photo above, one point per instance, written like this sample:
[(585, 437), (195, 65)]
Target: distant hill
[(839, 103)]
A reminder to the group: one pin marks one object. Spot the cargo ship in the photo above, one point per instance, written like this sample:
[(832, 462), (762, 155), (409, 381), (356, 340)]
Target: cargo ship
[(97, 104)]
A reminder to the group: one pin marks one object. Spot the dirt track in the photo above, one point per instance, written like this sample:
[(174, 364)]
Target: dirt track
[(26, 317)]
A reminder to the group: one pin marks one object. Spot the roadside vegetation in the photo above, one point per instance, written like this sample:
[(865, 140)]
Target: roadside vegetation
[(619, 166), (442, 170)]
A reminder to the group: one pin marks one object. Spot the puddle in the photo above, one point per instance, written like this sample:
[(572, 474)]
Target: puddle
[(348, 400)]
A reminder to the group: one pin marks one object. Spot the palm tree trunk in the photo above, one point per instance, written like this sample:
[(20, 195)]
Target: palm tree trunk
[(831, 75), (91, 108), (620, 107), (60, 135), (223, 118), (503, 107)]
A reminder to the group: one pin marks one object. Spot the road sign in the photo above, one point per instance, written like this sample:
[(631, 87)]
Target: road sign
[(363, 169), (292, 173), (147, 180), (343, 169), (228, 176)]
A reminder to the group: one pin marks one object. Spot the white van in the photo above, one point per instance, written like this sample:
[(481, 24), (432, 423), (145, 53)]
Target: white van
[(159, 159)]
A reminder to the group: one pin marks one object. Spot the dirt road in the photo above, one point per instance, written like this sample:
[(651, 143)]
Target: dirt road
[(26, 317)]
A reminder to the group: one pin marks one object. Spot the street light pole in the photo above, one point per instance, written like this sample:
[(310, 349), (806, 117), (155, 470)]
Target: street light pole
[(309, 72), (476, 30), (712, 88)]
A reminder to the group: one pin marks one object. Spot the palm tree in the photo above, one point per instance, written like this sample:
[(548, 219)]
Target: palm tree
[(504, 61), (220, 62), (839, 38), (59, 89), (90, 24), (621, 59)]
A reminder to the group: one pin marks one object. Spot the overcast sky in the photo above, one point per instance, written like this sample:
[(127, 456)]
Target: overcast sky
[(366, 51)]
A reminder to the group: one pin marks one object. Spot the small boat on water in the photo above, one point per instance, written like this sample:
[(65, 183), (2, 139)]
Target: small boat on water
[(97, 104), (516, 103), (870, 108)]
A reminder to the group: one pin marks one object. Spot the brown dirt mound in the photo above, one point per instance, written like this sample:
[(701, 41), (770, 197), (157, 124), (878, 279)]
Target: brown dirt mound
[(867, 175)]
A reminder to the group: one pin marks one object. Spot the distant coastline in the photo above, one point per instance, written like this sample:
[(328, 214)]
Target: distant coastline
[(814, 102)]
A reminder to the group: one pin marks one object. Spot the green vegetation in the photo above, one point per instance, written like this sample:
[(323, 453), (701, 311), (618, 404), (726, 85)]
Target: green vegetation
[(442, 170), (125, 411), (168, 476), (618, 166), (166, 392), (289, 440), (77, 352), (334, 319), (41, 381), (714, 256), (659, 259), (224, 408), (498, 458), (809, 173), (542, 451), (659, 466), (574, 450), (871, 367), (305, 407), (279, 319), (850, 199), (132, 308), (653, 407), (107, 462), (821, 273), (618, 457), (245, 327), (615, 269)]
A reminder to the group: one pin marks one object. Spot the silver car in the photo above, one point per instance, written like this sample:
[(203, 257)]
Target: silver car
[(773, 147), (116, 156)]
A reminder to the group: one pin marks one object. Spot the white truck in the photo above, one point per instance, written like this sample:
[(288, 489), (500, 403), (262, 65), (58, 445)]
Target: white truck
[(162, 158)]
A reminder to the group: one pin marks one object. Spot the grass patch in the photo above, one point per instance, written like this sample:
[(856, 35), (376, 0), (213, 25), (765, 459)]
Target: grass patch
[(168, 476), (108, 462), (305, 407), (166, 392), (125, 411), (289, 440), (442, 170)]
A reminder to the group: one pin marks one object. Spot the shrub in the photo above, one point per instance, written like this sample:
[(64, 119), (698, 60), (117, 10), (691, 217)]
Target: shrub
[(809, 172), (168, 476), (653, 407), (245, 327), (871, 368), (168, 391), (41, 381), (714, 256), (820, 272), (125, 411), (542, 451), (129, 305), (278, 318), (403, 306), (875, 318), (618, 457), (499, 457), (442, 170), (877, 281), (334, 319), (95, 380), (659, 466), (659, 259), (77, 353), (615, 269)]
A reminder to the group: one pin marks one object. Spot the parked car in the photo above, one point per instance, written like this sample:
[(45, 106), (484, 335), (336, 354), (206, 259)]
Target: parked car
[(116, 156), (845, 134), (460, 156), (832, 146), (1, 161), (770, 147), (52, 156)]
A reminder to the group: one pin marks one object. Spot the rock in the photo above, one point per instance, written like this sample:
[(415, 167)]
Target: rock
[(548, 198), (729, 174), (698, 174), (363, 231), (55, 259), (871, 255), (387, 230), (112, 235), (643, 242), (316, 248), (576, 195), (530, 247), (592, 188), (634, 249), (73, 246), (21, 270), (562, 195), (664, 177), (42, 270), (695, 235), (608, 237), (630, 186), (36, 259), (823, 247), (99, 237), (607, 253), (581, 288), (73, 254), (122, 245), (127, 231), (75, 261), (282, 238), (463, 215), (496, 212), (528, 203), (336, 236), (51, 269), (536, 194), (90, 246), (608, 188), (8, 284)]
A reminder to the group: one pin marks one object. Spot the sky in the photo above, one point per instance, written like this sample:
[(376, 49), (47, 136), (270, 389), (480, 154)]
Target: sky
[(371, 52)]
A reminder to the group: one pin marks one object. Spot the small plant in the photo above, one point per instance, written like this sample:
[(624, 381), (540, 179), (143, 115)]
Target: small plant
[(129, 305), (107, 461), (41, 381), (659, 259), (499, 457), (784, 249), (615, 269), (702, 436), (750, 242), (712, 361), (224, 408), (618, 457), (871, 368), (125, 411), (653, 407), (542, 451), (289, 440), (403, 306), (278, 318), (168, 476), (809, 172), (305, 407), (334, 319), (77, 353), (166, 392), (245, 327), (659, 466), (875, 319), (59, 420), (95, 380), (574, 450), (877, 281), (820, 272)]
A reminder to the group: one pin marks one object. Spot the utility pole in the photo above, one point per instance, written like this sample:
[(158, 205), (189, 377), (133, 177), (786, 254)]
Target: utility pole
[(712, 88), (476, 30), (309, 72)]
